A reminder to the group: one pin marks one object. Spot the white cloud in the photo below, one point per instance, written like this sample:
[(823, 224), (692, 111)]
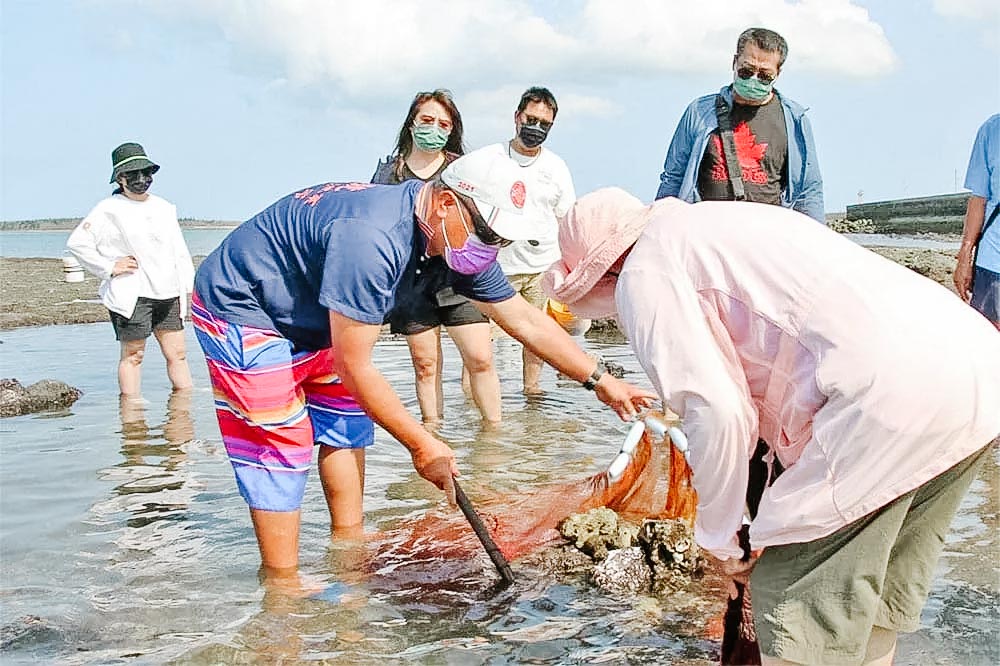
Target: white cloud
[(973, 9), (359, 54), (657, 37), (985, 12)]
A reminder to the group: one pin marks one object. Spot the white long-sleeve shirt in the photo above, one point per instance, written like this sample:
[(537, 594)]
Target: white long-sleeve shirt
[(865, 378), (147, 230)]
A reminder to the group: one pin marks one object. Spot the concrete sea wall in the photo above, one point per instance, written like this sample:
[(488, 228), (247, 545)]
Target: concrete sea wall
[(941, 213)]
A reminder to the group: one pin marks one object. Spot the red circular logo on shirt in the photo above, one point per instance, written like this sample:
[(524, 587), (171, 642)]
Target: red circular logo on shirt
[(517, 194)]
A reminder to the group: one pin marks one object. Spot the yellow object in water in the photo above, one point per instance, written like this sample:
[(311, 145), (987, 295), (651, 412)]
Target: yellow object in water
[(569, 321)]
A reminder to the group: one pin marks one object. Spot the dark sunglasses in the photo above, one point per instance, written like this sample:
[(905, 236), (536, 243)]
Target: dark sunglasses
[(747, 72), (479, 225), (532, 120), (147, 172), (485, 233)]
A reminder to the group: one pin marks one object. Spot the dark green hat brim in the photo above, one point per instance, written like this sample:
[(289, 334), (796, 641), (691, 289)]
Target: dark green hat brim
[(136, 163)]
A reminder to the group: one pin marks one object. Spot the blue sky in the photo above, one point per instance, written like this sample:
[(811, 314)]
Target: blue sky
[(243, 101)]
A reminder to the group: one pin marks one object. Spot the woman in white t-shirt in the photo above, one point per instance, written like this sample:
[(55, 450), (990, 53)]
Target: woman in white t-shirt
[(132, 241)]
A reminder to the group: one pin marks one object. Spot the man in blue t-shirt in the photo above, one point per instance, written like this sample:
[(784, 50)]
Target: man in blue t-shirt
[(977, 274), (289, 307)]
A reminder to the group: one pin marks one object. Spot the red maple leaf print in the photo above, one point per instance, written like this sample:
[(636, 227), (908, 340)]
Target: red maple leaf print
[(749, 152)]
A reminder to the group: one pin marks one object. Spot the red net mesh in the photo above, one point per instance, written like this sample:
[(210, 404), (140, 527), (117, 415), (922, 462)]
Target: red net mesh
[(655, 485)]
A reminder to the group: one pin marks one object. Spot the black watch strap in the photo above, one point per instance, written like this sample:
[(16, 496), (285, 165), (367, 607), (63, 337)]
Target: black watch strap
[(591, 382)]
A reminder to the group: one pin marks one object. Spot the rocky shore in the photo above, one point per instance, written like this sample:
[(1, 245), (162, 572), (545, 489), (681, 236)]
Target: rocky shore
[(33, 292)]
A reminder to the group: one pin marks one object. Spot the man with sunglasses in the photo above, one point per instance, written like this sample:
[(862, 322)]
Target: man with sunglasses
[(770, 134), (288, 309), (550, 195)]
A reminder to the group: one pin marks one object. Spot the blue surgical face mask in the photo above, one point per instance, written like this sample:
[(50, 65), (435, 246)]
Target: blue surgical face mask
[(474, 256), (752, 89)]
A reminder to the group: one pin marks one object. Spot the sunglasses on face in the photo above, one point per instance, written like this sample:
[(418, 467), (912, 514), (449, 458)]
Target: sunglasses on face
[(532, 120), (147, 172), (479, 225), (747, 72)]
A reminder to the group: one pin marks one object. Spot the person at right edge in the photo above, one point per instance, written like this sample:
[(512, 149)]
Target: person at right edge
[(769, 133), (977, 274)]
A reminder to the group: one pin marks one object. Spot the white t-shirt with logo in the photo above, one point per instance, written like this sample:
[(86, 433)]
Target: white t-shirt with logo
[(550, 194)]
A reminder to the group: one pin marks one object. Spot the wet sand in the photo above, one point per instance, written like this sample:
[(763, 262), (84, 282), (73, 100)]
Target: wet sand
[(34, 293)]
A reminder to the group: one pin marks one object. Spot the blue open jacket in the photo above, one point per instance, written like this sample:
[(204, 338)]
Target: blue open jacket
[(804, 191)]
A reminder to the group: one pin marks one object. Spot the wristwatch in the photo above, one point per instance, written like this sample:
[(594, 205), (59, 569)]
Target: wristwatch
[(591, 382)]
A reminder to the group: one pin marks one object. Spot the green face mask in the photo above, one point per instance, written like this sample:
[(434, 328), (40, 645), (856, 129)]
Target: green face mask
[(752, 89), (429, 137)]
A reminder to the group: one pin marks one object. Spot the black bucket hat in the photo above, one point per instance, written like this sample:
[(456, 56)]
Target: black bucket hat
[(130, 157)]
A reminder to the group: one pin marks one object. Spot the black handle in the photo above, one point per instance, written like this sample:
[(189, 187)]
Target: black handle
[(484, 536)]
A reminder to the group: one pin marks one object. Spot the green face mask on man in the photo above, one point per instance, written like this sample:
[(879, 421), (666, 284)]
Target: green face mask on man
[(429, 137), (752, 89)]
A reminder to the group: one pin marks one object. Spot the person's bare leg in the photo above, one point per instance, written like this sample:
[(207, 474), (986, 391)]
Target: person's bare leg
[(466, 381), (881, 647), (476, 347), (278, 539), (425, 351), (172, 346), (531, 371), (342, 473), (130, 367)]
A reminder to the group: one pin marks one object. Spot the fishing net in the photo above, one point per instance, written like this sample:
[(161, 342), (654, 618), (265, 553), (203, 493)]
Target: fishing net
[(655, 485)]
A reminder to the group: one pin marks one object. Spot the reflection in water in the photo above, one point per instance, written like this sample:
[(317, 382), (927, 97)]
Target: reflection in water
[(153, 457), (151, 492)]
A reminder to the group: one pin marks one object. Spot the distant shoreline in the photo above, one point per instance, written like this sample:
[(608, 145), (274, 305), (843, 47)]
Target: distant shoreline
[(33, 291), (68, 224)]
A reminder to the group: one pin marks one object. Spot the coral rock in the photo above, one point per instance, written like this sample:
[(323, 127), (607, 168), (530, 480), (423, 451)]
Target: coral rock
[(43, 395), (598, 531), (624, 571)]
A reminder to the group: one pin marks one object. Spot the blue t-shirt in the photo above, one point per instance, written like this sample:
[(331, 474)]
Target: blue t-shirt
[(348, 247), (983, 178)]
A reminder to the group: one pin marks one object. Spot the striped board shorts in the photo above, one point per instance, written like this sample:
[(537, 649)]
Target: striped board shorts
[(273, 404)]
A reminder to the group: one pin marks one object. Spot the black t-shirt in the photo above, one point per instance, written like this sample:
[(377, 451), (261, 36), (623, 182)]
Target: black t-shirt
[(762, 147)]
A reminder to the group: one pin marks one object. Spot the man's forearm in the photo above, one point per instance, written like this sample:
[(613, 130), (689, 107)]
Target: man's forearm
[(542, 335), (369, 387), (975, 215)]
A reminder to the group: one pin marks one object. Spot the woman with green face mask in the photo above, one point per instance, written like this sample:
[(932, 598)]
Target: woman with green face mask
[(430, 139)]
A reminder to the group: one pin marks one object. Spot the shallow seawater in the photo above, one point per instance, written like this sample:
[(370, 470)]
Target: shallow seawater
[(123, 539), (916, 242)]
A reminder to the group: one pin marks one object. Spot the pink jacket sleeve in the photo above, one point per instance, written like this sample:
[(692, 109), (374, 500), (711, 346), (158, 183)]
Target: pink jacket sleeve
[(692, 364)]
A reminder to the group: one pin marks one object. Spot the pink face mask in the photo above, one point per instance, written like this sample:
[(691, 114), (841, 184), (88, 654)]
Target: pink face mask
[(474, 256)]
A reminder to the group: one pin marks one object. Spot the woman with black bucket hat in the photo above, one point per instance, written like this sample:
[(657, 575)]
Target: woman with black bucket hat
[(132, 241)]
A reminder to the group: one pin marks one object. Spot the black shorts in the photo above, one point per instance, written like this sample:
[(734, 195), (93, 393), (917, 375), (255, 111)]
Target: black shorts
[(150, 315), (424, 313)]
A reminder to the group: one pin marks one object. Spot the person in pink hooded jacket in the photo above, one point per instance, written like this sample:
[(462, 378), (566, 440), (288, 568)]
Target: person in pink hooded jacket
[(876, 389)]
